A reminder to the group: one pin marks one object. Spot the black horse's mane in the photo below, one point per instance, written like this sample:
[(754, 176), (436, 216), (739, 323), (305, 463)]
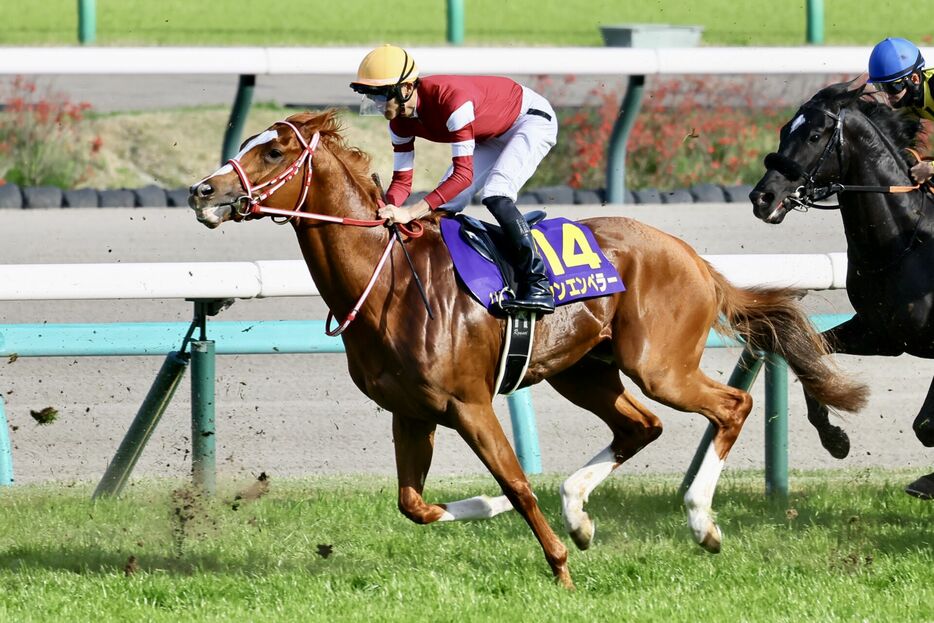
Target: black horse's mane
[(903, 130)]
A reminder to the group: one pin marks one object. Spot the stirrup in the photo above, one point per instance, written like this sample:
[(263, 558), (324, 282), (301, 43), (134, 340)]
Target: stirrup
[(542, 306)]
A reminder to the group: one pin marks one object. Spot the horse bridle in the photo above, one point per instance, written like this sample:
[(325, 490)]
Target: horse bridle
[(249, 206), (808, 194)]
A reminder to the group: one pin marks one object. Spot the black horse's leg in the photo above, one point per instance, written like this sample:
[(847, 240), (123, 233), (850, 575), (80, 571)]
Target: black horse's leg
[(924, 423), (924, 429), (922, 488), (852, 337)]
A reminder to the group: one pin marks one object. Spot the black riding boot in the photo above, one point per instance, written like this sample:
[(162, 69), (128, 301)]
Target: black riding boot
[(534, 289)]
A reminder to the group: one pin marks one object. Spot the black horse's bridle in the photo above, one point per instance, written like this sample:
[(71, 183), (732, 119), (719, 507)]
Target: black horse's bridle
[(808, 194)]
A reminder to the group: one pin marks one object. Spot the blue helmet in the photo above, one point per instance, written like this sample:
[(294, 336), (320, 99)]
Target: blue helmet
[(894, 58)]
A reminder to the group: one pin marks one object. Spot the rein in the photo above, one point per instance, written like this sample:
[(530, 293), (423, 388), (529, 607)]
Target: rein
[(250, 207)]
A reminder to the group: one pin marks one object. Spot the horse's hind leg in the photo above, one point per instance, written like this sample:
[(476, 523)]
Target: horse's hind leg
[(668, 371), (596, 386), (852, 337)]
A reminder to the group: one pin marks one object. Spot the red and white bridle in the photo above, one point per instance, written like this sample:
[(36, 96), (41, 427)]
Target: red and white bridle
[(250, 206), (251, 201)]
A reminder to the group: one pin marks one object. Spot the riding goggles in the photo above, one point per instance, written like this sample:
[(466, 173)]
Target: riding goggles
[(895, 86), (373, 105)]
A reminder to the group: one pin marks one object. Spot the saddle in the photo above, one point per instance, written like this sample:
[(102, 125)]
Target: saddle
[(487, 240), (575, 265)]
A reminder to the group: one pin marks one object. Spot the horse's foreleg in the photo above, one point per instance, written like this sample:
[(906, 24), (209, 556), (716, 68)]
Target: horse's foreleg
[(478, 426), (414, 442), (595, 386), (852, 337)]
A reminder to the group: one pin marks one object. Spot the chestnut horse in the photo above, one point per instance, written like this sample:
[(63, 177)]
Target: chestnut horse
[(430, 371)]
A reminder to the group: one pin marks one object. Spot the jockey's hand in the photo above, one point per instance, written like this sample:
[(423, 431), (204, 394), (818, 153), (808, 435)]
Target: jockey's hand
[(395, 214), (923, 171)]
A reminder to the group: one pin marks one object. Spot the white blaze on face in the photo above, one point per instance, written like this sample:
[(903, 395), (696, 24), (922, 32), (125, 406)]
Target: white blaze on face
[(259, 139), (797, 123)]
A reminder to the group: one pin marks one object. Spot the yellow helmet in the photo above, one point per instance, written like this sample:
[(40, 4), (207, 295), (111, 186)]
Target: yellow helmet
[(386, 66)]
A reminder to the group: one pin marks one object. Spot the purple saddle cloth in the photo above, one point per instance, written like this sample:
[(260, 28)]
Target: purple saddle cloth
[(574, 263)]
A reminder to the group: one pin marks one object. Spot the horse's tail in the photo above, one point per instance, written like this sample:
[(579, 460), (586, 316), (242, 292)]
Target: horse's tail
[(772, 320)]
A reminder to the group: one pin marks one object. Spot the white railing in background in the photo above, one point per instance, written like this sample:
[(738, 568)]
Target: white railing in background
[(246, 280), (435, 60)]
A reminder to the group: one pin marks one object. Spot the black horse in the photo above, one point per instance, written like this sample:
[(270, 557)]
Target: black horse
[(841, 142)]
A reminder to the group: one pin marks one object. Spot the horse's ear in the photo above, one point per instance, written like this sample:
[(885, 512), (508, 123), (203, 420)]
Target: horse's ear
[(858, 82)]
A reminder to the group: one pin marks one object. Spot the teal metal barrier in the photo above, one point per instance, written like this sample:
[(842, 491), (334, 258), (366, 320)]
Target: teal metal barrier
[(148, 416), (203, 433), (6, 450), (304, 336), (525, 431), (228, 338)]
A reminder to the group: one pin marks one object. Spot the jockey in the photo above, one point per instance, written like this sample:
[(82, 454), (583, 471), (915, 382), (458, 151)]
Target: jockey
[(896, 67), (498, 130)]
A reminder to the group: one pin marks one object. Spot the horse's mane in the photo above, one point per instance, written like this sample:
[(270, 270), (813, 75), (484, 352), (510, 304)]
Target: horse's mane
[(903, 130), (328, 125)]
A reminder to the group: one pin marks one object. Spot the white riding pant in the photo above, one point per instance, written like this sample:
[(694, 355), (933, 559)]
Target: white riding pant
[(502, 165)]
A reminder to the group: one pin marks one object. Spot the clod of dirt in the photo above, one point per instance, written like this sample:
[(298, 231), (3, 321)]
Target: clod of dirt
[(186, 505), (45, 416), (325, 550), (131, 567), (252, 493)]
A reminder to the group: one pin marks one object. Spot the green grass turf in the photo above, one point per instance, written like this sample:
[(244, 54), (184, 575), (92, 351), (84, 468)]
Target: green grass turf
[(848, 546), (423, 22)]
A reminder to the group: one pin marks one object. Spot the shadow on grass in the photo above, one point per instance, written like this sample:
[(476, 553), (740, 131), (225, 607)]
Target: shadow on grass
[(89, 560)]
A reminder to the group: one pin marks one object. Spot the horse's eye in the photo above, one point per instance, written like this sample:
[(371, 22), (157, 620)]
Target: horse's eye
[(814, 137), (274, 154)]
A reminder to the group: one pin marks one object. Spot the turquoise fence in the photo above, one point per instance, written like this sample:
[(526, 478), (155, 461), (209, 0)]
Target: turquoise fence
[(307, 337)]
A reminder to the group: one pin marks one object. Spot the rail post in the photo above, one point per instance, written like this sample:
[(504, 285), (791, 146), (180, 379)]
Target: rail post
[(524, 431), (776, 427), (815, 28), (203, 450), (6, 450), (246, 84), (145, 422), (635, 36), (455, 22), (87, 21), (743, 376)]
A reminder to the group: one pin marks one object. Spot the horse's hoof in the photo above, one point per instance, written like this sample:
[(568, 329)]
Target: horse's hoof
[(583, 534), (712, 540), (922, 488), (835, 441), (564, 580)]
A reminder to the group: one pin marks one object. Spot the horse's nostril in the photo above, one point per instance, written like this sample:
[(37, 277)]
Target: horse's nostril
[(203, 190), (761, 199)]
